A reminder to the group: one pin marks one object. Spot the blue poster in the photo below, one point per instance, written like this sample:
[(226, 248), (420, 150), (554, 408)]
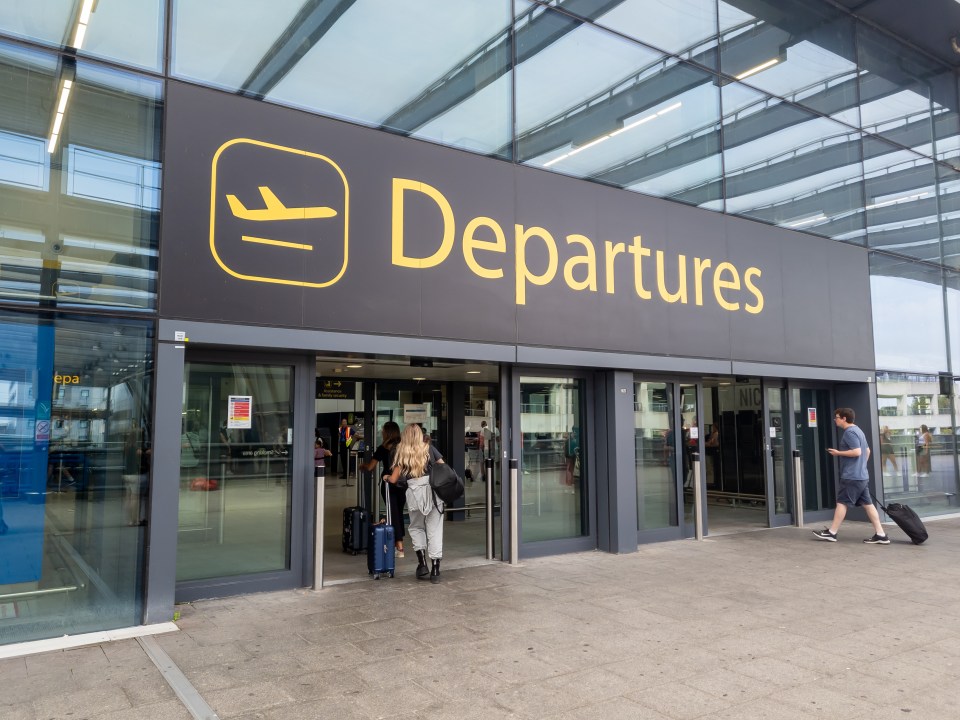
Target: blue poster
[(26, 390)]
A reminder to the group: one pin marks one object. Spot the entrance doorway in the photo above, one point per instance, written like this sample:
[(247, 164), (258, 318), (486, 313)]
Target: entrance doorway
[(814, 432), (733, 454), (458, 406), (236, 524)]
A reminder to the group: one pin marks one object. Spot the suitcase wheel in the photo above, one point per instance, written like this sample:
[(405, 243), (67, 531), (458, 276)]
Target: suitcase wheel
[(376, 576), (391, 573)]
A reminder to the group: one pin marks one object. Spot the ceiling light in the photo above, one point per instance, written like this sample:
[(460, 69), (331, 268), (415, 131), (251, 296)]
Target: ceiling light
[(473, 372), (354, 367), (418, 378), (905, 198), (754, 70), (808, 221), (82, 21), (602, 138), (65, 89)]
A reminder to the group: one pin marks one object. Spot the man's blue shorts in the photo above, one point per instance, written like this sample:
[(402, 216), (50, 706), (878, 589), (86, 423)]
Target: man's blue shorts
[(854, 492)]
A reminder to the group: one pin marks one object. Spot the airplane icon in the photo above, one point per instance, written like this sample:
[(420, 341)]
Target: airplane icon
[(276, 210)]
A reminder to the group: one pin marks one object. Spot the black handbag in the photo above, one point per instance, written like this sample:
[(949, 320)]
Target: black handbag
[(445, 482)]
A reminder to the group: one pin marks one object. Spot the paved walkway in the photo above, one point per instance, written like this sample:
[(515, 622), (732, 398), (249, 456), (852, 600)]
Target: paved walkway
[(768, 624)]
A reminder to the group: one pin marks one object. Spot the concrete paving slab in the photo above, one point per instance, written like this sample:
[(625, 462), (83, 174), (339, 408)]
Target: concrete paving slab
[(769, 624)]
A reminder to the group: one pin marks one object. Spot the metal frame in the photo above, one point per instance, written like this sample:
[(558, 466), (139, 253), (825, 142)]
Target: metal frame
[(300, 570), (775, 519), (588, 541), (826, 514)]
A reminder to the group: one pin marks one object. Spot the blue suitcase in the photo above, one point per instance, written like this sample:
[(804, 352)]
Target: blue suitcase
[(381, 558)]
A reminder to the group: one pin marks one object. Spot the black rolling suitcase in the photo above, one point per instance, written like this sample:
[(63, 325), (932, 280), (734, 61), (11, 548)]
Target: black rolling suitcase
[(907, 520), (356, 529)]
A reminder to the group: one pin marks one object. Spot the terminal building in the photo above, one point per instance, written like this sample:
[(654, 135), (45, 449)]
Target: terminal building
[(639, 250)]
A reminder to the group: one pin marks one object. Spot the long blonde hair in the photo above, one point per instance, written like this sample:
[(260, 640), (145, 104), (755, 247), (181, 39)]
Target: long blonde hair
[(412, 453)]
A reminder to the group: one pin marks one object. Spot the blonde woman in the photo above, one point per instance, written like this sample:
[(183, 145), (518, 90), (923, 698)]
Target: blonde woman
[(411, 463)]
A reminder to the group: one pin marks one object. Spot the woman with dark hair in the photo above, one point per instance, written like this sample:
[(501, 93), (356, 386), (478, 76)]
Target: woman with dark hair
[(383, 455), (411, 464)]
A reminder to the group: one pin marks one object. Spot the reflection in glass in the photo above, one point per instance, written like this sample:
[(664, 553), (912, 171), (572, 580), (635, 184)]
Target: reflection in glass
[(236, 449), (689, 444), (804, 54), (776, 405), (944, 92), (901, 209), (655, 445), (481, 442), (791, 168), (553, 460), (453, 89), (925, 477), (952, 284), (126, 31), (814, 434), (895, 89), (75, 456), (688, 29), (948, 196), (908, 321), (594, 105), (79, 183)]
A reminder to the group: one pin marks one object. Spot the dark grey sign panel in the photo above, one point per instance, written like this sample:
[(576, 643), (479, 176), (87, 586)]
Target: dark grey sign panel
[(277, 217)]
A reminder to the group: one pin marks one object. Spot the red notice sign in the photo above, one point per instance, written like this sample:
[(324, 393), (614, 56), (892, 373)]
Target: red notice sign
[(240, 412)]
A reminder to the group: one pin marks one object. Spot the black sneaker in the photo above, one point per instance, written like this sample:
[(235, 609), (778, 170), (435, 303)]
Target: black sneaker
[(825, 534), (878, 540)]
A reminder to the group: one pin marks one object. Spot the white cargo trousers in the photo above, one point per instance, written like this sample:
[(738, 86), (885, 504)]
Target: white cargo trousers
[(426, 520)]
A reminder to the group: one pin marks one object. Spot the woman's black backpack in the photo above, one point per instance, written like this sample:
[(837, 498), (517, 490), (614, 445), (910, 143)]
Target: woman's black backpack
[(445, 482)]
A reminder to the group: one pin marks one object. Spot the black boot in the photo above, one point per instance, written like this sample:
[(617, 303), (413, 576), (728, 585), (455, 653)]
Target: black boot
[(423, 572), (435, 572)]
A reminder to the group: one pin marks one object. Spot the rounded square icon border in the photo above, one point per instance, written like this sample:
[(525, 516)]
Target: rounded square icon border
[(213, 213)]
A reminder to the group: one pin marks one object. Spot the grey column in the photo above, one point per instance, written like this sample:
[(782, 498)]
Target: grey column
[(161, 568), (621, 477)]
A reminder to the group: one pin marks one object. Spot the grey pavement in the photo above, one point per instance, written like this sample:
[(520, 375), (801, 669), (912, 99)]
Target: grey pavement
[(767, 624)]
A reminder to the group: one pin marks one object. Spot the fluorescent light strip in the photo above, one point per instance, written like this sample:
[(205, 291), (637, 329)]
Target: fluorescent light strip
[(905, 198), (58, 118), (80, 35), (82, 24), (808, 221), (85, 11), (603, 138), (64, 96), (754, 70)]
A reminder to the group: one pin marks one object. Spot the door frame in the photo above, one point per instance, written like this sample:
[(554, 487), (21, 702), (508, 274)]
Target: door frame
[(588, 436), (775, 519), (300, 567), (826, 514)]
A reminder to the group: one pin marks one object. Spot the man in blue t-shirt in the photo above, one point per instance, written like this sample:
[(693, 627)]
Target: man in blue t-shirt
[(854, 479)]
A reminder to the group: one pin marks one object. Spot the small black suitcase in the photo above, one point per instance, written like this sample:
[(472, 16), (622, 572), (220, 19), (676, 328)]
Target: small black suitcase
[(907, 520), (356, 529)]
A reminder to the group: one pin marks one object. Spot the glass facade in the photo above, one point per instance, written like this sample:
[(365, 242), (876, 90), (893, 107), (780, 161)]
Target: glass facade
[(75, 456), (805, 118), (554, 459), (915, 407), (655, 449), (79, 183), (124, 31), (236, 446)]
